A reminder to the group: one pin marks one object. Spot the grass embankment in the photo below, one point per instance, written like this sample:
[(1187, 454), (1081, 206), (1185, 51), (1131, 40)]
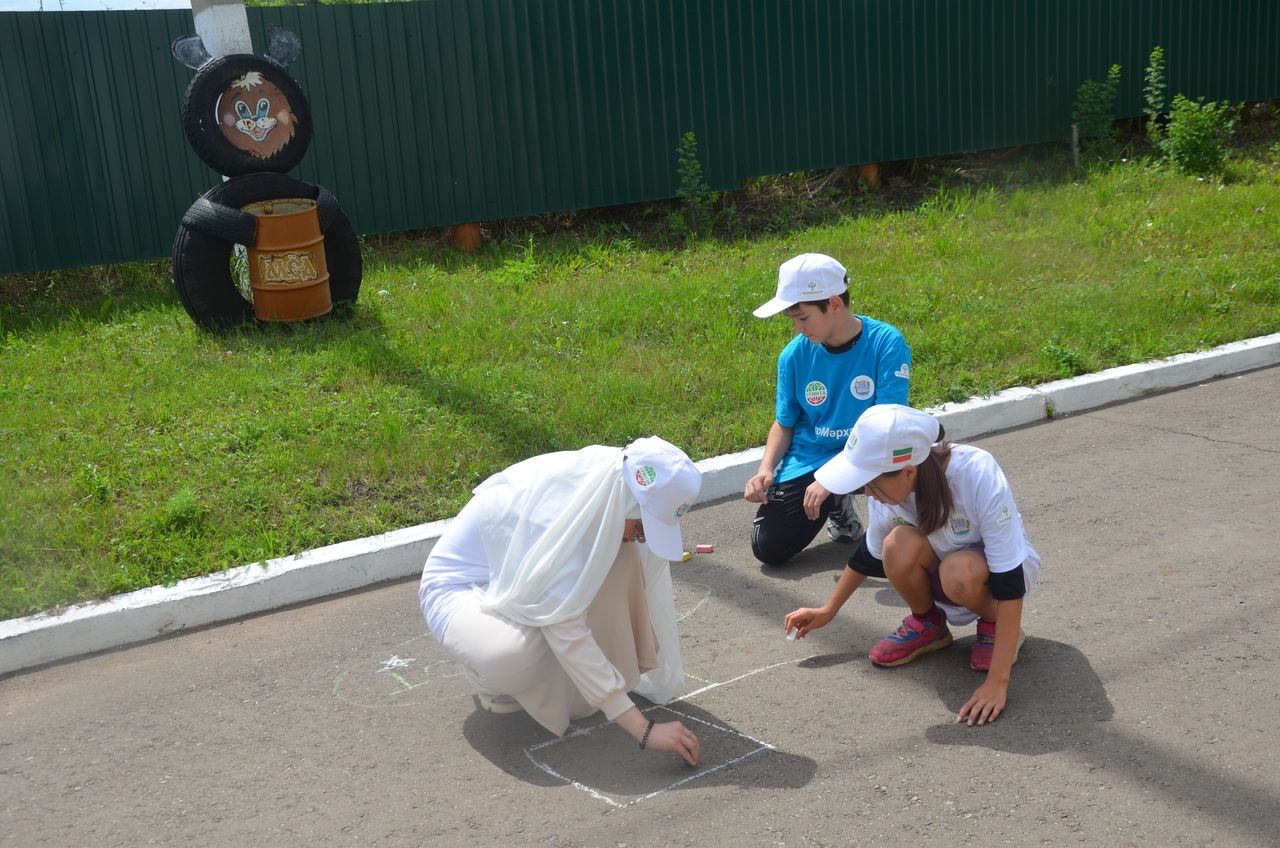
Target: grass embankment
[(137, 450)]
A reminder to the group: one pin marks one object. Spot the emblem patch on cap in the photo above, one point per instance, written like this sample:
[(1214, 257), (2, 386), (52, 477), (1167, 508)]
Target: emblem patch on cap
[(645, 475), (681, 510), (901, 455), (815, 394)]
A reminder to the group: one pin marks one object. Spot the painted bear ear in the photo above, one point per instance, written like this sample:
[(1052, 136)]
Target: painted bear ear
[(189, 50), (282, 46)]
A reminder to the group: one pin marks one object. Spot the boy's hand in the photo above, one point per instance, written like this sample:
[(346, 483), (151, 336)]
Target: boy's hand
[(758, 486), (814, 497)]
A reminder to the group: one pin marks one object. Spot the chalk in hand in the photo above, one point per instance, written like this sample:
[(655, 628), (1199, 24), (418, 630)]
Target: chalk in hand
[(791, 635)]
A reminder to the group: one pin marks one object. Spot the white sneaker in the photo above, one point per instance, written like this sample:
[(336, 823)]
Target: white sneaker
[(499, 704), (843, 524)]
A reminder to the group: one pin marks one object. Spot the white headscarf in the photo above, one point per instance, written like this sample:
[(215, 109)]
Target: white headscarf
[(551, 528)]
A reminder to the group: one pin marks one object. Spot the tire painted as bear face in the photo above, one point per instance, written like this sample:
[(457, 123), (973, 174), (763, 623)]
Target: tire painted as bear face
[(255, 116)]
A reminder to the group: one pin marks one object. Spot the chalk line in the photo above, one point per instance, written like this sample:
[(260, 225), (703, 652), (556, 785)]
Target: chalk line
[(576, 731), (711, 686), (698, 604), (595, 793)]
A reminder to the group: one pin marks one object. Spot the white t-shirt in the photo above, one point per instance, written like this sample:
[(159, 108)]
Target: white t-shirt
[(984, 516)]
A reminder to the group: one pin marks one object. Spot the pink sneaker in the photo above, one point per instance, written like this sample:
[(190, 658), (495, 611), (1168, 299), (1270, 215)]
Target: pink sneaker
[(985, 645), (913, 638)]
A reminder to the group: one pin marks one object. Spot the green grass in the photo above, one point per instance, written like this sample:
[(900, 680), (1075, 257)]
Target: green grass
[(136, 450)]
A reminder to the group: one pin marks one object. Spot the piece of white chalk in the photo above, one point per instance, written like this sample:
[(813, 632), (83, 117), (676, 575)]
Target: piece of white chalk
[(791, 635)]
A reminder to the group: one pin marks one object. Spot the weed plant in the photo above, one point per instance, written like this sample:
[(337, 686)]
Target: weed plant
[(1154, 96), (1094, 113), (137, 450), (1196, 139)]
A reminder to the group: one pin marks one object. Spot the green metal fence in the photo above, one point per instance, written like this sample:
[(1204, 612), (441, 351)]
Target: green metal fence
[(435, 112)]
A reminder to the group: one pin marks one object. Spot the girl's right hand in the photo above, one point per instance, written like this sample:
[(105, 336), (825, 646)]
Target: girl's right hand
[(675, 737), (806, 619)]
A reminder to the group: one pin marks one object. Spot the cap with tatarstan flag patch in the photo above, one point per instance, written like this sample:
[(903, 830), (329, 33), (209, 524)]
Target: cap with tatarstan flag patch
[(887, 437)]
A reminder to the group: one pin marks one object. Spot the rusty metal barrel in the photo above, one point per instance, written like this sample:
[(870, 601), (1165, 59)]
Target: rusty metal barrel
[(287, 267)]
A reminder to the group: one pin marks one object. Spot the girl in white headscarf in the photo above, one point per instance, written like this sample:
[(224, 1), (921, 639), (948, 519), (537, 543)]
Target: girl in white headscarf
[(552, 587)]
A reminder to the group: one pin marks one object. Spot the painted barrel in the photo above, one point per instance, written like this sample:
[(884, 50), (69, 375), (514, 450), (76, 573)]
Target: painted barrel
[(287, 267)]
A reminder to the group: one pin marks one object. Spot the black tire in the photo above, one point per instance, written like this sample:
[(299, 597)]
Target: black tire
[(229, 150), (214, 224)]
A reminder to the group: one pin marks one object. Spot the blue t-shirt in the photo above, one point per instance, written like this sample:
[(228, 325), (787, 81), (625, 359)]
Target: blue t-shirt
[(821, 394)]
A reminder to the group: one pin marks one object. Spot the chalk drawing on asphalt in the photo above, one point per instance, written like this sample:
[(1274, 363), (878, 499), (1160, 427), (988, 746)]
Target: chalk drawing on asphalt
[(748, 746)]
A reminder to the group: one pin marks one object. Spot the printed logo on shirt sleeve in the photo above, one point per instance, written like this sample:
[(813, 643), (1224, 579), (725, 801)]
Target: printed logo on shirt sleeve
[(904, 371), (1006, 515)]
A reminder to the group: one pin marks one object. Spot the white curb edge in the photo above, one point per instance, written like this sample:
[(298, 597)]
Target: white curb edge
[(237, 592)]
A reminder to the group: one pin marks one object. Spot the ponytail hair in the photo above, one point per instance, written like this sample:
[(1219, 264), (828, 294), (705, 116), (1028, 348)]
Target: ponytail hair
[(934, 502)]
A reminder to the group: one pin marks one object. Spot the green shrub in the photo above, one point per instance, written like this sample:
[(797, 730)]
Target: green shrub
[(1094, 114), (1197, 135), (693, 190), (1154, 95)]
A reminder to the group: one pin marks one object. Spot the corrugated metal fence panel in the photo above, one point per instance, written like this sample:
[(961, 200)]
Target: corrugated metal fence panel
[(94, 167), (435, 112)]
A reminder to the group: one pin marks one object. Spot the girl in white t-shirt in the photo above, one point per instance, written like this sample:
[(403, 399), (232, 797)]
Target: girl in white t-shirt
[(944, 529)]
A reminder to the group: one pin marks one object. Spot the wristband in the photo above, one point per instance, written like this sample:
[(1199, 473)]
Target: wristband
[(644, 740)]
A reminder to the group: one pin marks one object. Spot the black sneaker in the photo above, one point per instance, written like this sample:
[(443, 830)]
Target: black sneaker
[(843, 524)]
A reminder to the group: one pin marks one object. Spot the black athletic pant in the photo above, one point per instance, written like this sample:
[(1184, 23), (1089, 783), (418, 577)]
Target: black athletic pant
[(781, 529)]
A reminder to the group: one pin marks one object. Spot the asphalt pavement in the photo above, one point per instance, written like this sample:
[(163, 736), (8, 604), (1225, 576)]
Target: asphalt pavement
[(1142, 711)]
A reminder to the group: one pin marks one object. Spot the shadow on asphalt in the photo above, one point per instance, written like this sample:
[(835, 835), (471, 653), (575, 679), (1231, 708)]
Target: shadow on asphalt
[(1057, 701), (1062, 705), (600, 757)]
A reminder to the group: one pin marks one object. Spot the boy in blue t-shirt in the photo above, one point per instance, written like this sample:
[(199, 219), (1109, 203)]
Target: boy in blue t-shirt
[(838, 366)]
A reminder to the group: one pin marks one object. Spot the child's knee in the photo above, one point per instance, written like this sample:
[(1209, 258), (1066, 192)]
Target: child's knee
[(964, 579), (906, 547)]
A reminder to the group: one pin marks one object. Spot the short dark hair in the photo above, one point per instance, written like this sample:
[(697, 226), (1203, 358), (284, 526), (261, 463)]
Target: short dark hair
[(822, 304)]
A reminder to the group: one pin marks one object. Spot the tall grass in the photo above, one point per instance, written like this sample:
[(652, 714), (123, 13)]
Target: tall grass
[(136, 450)]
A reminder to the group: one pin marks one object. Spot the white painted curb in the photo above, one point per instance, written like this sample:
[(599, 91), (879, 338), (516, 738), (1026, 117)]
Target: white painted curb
[(237, 592)]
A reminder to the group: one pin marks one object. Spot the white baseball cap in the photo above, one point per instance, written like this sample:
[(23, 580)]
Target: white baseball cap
[(809, 276), (887, 437), (665, 482)]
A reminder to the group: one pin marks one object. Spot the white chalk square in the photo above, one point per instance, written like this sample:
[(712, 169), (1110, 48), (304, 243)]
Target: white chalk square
[(602, 759)]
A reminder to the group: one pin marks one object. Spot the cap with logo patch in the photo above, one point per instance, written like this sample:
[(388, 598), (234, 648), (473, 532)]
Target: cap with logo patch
[(665, 483), (809, 276), (887, 437)]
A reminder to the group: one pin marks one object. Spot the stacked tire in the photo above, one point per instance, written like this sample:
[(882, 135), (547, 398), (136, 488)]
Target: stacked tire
[(246, 118)]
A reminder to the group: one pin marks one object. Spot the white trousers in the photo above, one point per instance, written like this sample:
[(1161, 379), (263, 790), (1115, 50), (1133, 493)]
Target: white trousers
[(502, 657)]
